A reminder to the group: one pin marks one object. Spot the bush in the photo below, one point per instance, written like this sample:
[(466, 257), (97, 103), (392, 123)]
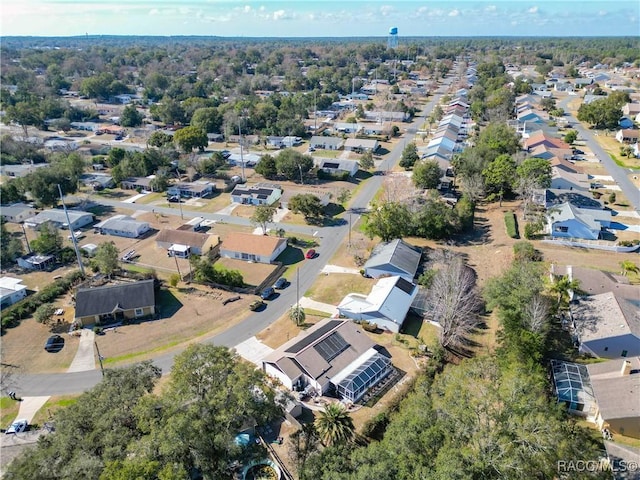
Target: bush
[(531, 229), (322, 175), (375, 427), (512, 224), (628, 243), (525, 251)]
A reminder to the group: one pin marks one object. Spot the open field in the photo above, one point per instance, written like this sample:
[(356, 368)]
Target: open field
[(333, 288), (253, 273)]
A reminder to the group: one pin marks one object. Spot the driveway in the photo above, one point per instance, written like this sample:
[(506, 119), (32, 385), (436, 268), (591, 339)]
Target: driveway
[(253, 350)]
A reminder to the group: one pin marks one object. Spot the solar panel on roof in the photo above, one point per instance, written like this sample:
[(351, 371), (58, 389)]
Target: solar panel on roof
[(405, 286), (331, 347), (330, 165), (312, 337), (262, 197)]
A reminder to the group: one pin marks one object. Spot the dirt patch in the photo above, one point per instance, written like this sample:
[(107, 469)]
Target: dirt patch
[(283, 330)]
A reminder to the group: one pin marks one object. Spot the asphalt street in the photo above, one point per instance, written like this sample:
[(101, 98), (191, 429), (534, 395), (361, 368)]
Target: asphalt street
[(618, 173), (329, 238)]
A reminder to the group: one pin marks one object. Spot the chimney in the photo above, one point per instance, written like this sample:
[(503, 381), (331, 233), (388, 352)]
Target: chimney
[(626, 368)]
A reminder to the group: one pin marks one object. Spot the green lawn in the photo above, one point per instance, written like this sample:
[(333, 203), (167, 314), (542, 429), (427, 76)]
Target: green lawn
[(52, 405), (9, 409)]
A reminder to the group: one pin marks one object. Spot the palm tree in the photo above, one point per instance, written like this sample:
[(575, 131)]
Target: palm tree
[(629, 267), (334, 425), (565, 288), (297, 314)]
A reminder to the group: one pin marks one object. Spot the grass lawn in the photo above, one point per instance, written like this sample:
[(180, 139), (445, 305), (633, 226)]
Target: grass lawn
[(54, 404), (333, 288), (9, 409)]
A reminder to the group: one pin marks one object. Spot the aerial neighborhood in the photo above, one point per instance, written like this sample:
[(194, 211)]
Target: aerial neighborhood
[(250, 258)]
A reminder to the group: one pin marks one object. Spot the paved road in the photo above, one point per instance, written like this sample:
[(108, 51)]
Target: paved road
[(330, 239), (618, 173)]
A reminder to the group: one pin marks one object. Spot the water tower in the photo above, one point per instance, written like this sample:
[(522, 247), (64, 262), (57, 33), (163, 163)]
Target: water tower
[(392, 41)]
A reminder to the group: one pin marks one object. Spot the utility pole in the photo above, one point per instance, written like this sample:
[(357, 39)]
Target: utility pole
[(100, 358), (177, 266), (315, 113), (349, 242), (241, 157), (298, 289), (73, 235), (26, 239)]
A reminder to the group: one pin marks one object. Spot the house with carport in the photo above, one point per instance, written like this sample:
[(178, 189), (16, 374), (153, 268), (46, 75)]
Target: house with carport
[(252, 248), (326, 143), (331, 357), (183, 242), (386, 305), (58, 218), (122, 226), (114, 303), (17, 212)]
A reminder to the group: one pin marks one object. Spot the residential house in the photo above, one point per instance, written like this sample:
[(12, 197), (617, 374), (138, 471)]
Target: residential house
[(246, 159), (561, 179), (539, 137), (122, 226), (606, 326), (33, 261), (193, 242), (627, 136), (361, 145), (58, 218), (252, 248), (17, 212), (192, 189), (393, 258), (331, 356), (528, 115), (375, 129), (258, 194), (11, 291), (631, 109), (568, 221), (549, 198), (337, 166), (383, 116), (347, 127), (21, 170), (386, 305), (137, 183), (326, 143), (114, 303), (97, 181), (616, 388)]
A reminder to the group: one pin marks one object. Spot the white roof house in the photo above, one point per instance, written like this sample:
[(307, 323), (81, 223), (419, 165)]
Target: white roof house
[(11, 291), (387, 304), (123, 226), (361, 144), (58, 218), (337, 166)]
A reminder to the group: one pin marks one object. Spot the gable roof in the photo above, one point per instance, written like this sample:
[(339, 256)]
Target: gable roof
[(540, 137), (390, 297), (110, 298), (58, 216), (396, 253), (123, 223), (588, 216), (259, 190), (249, 243)]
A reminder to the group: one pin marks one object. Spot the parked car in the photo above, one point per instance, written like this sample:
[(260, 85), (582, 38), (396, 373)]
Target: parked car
[(280, 283), (311, 253), (18, 426), (54, 343), (173, 199), (267, 293), (129, 255), (77, 234), (578, 152), (256, 305)]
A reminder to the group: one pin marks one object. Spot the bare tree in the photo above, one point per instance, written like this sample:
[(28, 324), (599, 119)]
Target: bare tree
[(473, 186), (454, 302), (536, 313)]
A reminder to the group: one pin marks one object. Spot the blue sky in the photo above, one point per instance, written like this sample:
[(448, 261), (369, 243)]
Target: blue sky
[(314, 18)]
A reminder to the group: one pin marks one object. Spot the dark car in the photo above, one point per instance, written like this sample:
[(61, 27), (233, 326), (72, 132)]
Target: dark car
[(267, 293), (578, 152), (54, 343), (311, 253), (280, 283), (173, 199)]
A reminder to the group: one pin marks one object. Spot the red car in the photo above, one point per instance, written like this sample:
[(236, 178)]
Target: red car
[(311, 253)]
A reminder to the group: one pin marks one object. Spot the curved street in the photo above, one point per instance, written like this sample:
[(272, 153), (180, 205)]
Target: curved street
[(330, 238)]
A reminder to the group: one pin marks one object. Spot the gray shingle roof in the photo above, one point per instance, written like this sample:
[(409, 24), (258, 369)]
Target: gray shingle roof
[(125, 296), (397, 253)]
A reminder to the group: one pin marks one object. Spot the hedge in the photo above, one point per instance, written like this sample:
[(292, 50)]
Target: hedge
[(512, 224), (12, 315)]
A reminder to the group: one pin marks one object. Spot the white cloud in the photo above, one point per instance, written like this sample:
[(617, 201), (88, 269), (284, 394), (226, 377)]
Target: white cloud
[(603, 13), (533, 10), (454, 13), (279, 15), (247, 9), (490, 8), (386, 10)]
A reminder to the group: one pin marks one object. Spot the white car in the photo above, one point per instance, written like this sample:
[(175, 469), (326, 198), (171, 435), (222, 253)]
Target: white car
[(18, 426), (77, 234)]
